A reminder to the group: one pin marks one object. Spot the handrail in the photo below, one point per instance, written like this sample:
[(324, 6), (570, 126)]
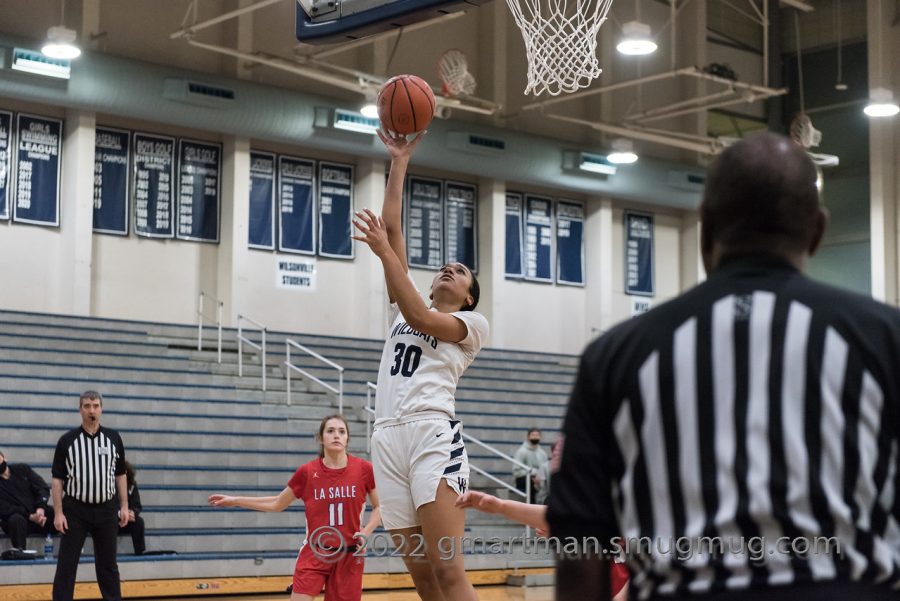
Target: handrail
[(370, 411), (339, 391), (218, 322), (241, 339)]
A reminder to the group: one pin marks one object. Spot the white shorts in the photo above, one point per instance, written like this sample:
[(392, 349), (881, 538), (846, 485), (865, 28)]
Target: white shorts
[(410, 459)]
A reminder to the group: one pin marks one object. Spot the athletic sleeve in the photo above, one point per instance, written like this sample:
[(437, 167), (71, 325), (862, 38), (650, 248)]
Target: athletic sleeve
[(58, 470), (580, 503), (368, 477), (477, 330), (297, 483), (120, 452)]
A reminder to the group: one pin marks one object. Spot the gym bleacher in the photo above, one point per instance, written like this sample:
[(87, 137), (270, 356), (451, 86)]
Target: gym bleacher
[(192, 427)]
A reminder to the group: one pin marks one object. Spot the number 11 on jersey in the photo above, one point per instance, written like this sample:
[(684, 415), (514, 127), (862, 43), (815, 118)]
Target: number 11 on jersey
[(335, 514)]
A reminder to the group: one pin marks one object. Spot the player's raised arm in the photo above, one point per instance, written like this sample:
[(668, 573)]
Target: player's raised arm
[(400, 149)]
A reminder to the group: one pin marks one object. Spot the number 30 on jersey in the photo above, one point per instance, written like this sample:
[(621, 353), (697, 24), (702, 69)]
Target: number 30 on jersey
[(406, 359)]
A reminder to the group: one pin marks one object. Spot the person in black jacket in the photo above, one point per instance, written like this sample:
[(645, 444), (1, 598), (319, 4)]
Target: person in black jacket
[(23, 502), (135, 525)]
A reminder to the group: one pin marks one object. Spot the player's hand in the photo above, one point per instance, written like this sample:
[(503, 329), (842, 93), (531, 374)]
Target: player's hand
[(60, 522), (131, 516), (373, 232), (361, 539), (540, 533), (398, 145), (479, 500), (123, 516), (221, 501)]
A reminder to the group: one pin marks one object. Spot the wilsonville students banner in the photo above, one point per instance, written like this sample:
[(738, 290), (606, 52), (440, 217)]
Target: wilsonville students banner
[(5, 152), (199, 167), (335, 210), (154, 178), (297, 207), (111, 152), (38, 149), (424, 223), (261, 224)]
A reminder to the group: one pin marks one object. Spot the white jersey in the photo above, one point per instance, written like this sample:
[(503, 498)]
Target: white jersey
[(419, 373)]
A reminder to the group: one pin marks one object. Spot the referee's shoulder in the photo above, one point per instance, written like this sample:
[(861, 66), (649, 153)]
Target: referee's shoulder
[(840, 301), (111, 433), (70, 435)]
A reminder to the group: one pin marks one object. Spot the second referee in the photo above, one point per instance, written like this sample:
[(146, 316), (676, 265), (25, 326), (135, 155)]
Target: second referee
[(89, 466)]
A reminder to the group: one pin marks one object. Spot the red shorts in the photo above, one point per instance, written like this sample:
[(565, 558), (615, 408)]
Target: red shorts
[(619, 577), (342, 579)]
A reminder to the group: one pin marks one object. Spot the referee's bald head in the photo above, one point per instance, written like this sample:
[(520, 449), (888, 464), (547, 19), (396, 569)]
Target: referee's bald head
[(761, 196)]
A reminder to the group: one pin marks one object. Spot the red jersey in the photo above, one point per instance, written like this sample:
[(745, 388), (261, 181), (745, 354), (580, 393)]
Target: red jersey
[(334, 497)]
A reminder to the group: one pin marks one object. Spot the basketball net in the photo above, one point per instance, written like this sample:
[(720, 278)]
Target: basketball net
[(560, 42), (803, 133), (453, 69)]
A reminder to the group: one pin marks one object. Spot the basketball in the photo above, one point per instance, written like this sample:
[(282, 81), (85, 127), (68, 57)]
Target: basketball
[(405, 104)]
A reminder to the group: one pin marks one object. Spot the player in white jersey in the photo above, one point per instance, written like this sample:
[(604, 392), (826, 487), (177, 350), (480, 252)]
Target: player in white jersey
[(418, 455)]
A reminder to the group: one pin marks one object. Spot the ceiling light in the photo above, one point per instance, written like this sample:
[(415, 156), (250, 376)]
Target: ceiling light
[(353, 121), (31, 61), (61, 43), (636, 40), (369, 110), (881, 104), (623, 152)]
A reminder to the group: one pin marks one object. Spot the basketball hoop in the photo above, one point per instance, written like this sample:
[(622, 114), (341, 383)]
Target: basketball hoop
[(560, 42), (453, 69), (803, 133)]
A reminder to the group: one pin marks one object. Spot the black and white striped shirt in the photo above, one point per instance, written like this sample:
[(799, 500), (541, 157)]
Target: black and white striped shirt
[(88, 465), (759, 404)]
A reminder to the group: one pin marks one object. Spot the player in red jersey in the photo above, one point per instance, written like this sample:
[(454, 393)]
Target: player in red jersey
[(333, 489)]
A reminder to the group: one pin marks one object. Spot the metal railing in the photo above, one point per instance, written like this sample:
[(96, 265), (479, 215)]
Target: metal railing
[(218, 322), (289, 367), (242, 340), (369, 408)]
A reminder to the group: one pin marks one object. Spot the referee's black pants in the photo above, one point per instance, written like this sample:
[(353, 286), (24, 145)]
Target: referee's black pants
[(102, 523)]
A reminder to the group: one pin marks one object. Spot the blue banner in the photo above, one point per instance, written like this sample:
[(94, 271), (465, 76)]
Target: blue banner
[(111, 153), (514, 236), (154, 178), (199, 171), (638, 254), (570, 243), (335, 210), (538, 239), (297, 207), (261, 223), (38, 150), (424, 223), (461, 220), (5, 156)]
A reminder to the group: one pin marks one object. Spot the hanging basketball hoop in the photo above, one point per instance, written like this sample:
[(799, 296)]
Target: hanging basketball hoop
[(803, 133), (453, 69), (560, 42)]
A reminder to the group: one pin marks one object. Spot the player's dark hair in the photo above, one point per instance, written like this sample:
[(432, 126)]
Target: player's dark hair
[(321, 432), (475, 292), (90, 395), (761, 194)]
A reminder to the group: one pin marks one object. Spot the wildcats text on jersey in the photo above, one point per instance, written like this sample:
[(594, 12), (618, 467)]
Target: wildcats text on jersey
[(403, 328)]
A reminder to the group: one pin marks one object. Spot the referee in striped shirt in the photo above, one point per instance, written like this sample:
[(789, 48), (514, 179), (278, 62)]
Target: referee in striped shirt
[(89, 466), (747, 429)]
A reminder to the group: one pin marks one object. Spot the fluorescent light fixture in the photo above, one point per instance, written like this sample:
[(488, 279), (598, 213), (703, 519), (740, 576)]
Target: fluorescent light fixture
[(574, 160), (61, 43), (369, 110), (353, 121), (623, 152), (881, 103), (30, 61), (636, 40)]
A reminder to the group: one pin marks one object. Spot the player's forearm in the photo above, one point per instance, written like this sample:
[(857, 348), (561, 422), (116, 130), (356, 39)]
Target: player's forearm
[(122, 489), (258, 503), (391, 212), (374, 521), (411, 305), (525, 513), (56, 493)]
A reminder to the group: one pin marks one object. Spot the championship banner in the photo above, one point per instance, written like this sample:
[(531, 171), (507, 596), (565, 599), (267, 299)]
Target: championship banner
[(538, 239), (199, 172), (514, 236), (112, 148), (424, 223), (638, 254), (297, 207), (261, 222), (335, 210), (38, 150), (5, 155), (569, 243), (154, 178), (461, 220)]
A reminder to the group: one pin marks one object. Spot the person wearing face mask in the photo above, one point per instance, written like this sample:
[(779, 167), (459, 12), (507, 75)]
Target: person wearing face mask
[(23, 502), (532, 455)]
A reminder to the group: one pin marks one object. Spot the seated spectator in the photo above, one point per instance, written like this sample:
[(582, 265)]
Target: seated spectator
[(23, 503), (533, 456), (542, 477), (135, 525)]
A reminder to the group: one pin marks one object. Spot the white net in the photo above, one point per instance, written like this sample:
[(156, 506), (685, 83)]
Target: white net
[(803, 133), (454, 71), (560, 42)]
